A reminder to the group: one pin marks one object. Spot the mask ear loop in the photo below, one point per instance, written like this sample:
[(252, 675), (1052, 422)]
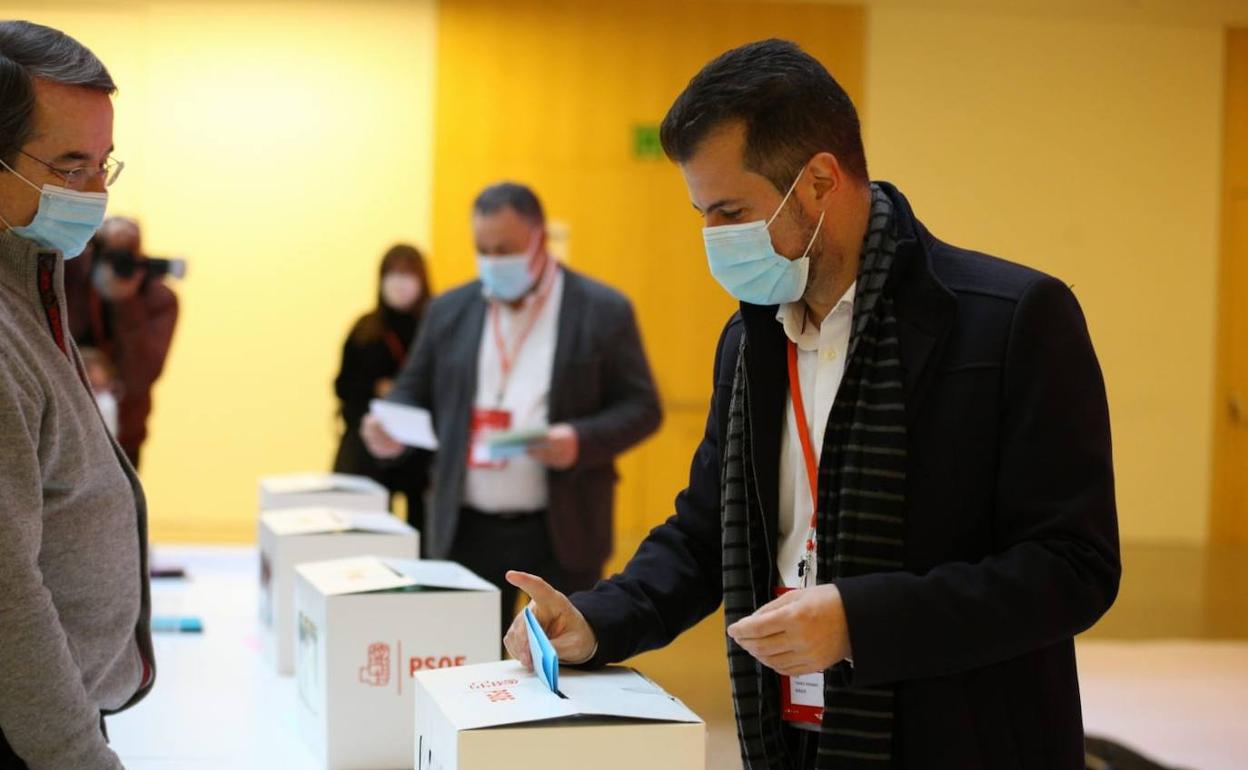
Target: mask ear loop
[(785, 199), (13, 171), (813, 236)]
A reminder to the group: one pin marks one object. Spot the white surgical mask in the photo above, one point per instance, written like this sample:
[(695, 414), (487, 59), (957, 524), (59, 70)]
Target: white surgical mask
[(66, 218), (744, 261), (400, 291)]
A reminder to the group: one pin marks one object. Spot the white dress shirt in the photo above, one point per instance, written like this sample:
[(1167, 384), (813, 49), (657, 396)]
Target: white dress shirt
[(521, 485), (821, 355)]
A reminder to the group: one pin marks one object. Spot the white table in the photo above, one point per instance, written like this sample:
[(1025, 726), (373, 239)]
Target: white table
[(216, 703)]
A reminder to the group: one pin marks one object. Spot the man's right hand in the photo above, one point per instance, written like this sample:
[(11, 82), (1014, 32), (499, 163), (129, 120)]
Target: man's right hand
[(379, 443), (565, 626)]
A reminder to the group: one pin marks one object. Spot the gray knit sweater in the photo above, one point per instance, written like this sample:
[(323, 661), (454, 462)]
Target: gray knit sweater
[(75, 631)]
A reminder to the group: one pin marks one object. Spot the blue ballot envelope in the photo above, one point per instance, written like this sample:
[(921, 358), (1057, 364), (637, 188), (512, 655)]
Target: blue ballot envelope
[(545, 659)]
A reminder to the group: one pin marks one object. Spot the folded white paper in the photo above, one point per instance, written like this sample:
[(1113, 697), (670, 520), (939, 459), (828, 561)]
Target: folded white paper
[(408, 425)]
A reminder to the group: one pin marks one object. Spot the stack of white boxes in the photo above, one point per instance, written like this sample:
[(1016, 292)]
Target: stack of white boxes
[(397, 659), (292, 537), (366, 627)]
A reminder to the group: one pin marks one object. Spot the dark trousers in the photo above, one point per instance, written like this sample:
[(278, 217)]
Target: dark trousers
[(490, 544)]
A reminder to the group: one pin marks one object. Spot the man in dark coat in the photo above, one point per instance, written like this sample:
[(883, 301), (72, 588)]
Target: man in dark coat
[(904, 496)]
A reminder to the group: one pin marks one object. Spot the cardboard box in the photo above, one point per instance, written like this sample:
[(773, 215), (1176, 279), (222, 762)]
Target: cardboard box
[(291, 537), (365, 628), (322, 490), (500, 715)]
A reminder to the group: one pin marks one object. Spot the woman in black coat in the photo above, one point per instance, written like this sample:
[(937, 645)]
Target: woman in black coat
[(371, 358)]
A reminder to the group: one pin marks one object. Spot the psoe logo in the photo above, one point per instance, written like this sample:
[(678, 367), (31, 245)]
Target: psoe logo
[(377, 672), (418, 663)]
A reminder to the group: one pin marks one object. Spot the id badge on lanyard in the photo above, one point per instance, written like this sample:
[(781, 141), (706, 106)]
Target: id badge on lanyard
[(801, 697), (488, 421), (485, 422)]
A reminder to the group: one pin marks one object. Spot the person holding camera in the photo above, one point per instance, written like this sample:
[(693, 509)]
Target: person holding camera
[(120, 305)]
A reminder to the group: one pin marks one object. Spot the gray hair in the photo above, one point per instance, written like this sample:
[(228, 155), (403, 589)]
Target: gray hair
[(29, 51), (518, 197)]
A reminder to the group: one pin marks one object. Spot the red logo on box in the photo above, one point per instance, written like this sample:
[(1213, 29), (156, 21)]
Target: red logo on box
[(435, 661), (377, 672), (496, 690)]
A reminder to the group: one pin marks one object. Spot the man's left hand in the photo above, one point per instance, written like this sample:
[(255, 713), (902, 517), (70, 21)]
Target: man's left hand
[(801, 632), (559, 449)]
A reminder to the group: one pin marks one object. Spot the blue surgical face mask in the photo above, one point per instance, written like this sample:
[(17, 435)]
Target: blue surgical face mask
[(744, 261), (66, 218), (506, 277)]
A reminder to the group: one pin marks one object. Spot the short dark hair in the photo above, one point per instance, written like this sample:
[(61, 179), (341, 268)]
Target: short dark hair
[(791, 106), (518, 197), (29, 51)]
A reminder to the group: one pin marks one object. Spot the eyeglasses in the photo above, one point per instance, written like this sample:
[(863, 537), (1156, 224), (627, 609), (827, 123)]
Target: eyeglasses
[(78, 177)]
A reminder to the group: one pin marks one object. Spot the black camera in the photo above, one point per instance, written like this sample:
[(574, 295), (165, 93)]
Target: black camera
[(125, 264)]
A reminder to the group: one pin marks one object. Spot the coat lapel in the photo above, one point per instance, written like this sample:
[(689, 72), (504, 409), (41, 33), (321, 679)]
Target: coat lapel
[(926, 309), (567, 342), (767, 385)]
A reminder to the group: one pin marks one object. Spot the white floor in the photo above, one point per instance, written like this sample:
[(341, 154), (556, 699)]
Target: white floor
[(217, 705), (1182, 703)]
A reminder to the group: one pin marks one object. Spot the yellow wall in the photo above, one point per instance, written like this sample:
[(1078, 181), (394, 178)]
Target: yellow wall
[(281, 147), (1228, 520), (548, 92), (1084, 141)]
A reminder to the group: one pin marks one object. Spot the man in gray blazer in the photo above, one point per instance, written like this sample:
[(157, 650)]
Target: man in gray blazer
[(529, 346)]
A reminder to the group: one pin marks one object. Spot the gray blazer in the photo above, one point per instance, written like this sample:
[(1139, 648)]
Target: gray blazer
[(600, 384)]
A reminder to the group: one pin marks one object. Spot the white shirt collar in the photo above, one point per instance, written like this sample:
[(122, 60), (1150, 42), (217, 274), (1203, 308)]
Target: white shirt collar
[(793, 316)]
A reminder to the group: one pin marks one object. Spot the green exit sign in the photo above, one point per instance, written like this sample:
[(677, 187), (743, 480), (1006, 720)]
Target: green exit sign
[(646, 144)]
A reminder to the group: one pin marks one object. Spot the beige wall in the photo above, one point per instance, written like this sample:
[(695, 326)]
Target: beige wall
[(1083, 141)]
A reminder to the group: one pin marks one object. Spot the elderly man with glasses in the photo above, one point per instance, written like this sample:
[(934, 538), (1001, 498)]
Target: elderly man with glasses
[(75, 608)]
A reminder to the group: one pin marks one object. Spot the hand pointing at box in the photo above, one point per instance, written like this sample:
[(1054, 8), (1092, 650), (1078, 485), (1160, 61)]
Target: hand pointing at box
[(563, 623)]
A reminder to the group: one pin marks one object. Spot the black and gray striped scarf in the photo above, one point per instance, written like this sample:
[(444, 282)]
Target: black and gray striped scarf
[(860, 522)]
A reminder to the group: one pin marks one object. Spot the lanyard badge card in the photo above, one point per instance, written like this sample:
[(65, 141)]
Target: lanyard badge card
[(485, 423)]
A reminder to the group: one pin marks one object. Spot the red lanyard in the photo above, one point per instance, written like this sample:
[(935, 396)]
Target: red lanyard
[(506, 358), (812, 466)]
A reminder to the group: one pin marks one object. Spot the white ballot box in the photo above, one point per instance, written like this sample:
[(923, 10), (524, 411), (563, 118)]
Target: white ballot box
[(366, 626), (322, 490), (291, 537), (500, 715)]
